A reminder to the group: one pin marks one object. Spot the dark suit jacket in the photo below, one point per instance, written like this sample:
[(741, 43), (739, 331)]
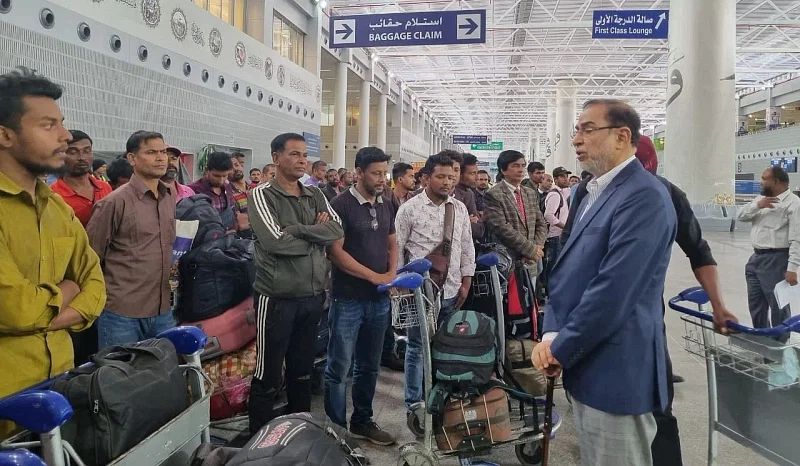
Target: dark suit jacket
[(504, 221), (689, 238), (467, 196), (605, 292)]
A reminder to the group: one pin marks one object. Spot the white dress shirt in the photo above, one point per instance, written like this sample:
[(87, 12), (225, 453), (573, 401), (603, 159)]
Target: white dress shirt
[(419, 226), (777, 227), (597, 185), (555, 198), (595, 188)]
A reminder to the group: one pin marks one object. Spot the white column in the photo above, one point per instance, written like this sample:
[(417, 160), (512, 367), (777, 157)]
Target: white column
[(340, 115), (363, 114), (397, 118), (420, 121), (701, 109), (381, 123), (549, 152), (529, 146), (412, 116), (565, 122)]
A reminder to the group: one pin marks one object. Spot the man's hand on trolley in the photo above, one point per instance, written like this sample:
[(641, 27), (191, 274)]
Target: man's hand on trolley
[(544, 361), (721, 318)]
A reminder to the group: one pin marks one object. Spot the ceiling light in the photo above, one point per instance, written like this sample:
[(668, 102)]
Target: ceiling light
[(375, 58), (783, 107), (323, 4), (391, 75)]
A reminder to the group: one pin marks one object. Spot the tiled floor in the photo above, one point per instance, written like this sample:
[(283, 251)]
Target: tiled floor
[(731, 252)]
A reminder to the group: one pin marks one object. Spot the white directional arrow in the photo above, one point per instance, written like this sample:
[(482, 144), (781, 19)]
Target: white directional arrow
[(661, 18)]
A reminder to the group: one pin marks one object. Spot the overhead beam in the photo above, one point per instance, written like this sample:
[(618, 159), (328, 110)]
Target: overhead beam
[(466, 52)]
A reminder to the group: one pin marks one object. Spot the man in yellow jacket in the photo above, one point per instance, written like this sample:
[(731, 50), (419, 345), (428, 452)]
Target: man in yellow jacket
[(50, 279)]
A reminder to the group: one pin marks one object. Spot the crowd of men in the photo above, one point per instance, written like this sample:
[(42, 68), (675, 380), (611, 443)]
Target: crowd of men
[(84, 252)]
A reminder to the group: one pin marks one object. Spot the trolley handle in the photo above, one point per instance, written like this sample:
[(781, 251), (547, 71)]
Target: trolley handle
[(187, 339), (39, 411), (20, 458), (419, 266), (408, 280), (698, 296), (490, 259)]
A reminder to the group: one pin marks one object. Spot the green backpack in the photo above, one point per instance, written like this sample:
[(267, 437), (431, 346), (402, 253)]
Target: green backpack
[(464, 350)]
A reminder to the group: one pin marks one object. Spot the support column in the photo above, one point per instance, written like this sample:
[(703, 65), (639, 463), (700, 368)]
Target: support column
[(549, 152), (742, 120), (397, 117), (412, 116), (381, 123), (340, 115), (363, 114), (565, 122), (773, 113), (701, 109), (420, 121)]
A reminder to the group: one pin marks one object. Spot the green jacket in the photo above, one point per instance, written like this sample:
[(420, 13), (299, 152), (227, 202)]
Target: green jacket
[(290, 246)]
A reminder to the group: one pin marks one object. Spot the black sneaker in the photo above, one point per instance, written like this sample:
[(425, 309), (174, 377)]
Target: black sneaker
[(677, 378), (372, 433)]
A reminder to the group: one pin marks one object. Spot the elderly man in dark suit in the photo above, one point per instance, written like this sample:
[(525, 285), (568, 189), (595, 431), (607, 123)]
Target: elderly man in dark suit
[(511, 211)]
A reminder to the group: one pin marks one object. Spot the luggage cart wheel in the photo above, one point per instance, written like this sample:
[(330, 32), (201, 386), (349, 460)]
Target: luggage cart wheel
[(415, 454), (529, 454), (415, 422)]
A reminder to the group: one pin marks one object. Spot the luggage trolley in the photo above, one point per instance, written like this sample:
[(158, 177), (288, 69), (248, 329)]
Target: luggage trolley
[(43, 412), (753, 386), (416, 306)]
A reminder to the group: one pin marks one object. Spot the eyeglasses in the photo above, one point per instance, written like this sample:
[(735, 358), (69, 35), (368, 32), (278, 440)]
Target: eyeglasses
[(374, 214), (587, 131)]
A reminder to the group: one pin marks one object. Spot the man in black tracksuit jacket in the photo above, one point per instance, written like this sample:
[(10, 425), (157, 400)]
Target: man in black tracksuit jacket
[(293, 224), (666, 445)]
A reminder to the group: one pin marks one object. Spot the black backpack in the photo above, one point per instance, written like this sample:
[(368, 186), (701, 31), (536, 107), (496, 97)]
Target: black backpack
[(199, 207), (296, 440), (215, 277), (464, 350)]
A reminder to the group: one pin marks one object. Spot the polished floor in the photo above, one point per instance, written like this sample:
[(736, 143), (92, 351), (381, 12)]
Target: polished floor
[(731, 252)]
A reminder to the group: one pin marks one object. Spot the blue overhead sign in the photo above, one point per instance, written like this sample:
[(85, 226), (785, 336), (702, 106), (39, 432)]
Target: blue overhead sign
[(312, 144), (405, 29), (630, 24), (470, 139)]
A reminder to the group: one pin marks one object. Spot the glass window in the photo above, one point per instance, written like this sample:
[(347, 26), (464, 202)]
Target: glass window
[(229, 11), (287, 40)]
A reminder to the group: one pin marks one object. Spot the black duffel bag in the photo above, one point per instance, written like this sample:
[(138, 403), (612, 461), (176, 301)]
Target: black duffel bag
[(296, 440), (130, 392), (215, 277)]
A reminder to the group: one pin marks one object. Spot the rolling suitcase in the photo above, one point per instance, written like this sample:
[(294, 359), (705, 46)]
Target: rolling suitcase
[(474, 423), (230, 331), (231, 375)]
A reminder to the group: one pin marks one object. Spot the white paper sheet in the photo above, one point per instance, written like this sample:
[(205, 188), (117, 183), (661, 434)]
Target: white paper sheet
[(788, 294)]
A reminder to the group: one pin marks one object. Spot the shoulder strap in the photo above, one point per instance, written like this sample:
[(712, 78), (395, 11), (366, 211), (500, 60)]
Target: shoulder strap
[(449, 222)]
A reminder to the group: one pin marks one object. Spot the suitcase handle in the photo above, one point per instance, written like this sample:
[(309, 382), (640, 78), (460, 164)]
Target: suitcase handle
[(212, 348), (477, 425)]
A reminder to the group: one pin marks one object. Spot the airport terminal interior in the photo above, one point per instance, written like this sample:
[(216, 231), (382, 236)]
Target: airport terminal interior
[(716, 84)]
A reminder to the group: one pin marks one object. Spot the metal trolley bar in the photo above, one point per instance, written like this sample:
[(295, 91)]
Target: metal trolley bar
[(753, 385), (44, 412)]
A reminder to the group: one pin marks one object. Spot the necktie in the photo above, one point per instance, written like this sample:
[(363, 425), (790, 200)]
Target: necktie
[(520, 204)]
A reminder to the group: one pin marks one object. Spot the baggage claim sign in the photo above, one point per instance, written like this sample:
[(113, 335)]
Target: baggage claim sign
[(407, 29)]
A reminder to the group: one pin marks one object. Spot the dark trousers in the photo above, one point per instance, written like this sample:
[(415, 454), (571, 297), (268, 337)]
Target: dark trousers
[(666, 446), (762, 272), (387, 353), (357, 331), (287, 330), (552, 248)]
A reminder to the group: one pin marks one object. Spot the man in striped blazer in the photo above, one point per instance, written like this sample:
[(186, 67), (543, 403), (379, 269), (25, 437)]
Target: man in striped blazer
[(511, 211)]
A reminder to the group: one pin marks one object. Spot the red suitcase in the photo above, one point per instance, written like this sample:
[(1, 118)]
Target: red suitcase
[(230, 331)]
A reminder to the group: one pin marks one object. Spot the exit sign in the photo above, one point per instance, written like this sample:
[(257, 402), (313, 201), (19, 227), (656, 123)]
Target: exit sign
[(496, 145)]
